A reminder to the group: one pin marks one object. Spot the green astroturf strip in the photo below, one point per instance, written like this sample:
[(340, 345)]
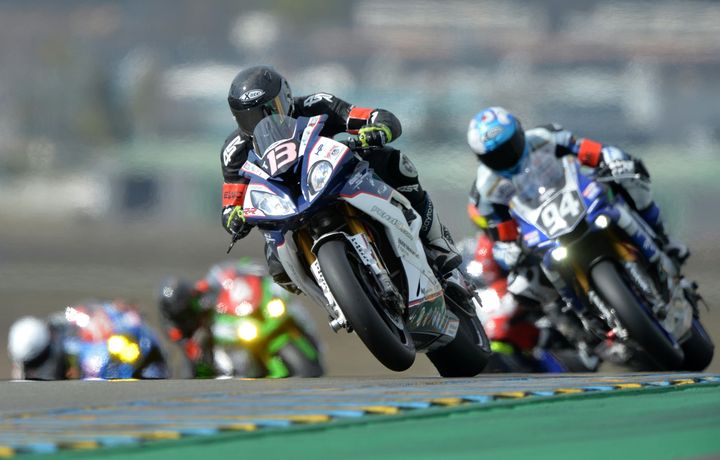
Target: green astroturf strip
[(676, 422)]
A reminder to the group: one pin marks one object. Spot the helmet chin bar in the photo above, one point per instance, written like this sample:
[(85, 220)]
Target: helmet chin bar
[(517, 168)]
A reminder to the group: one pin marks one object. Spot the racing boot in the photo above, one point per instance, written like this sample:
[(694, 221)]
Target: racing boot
[(641, 195), (674, 248), (438, 242), (278, 273)]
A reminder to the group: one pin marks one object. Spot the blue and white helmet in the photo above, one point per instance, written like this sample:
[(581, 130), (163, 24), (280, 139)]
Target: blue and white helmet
[(497, 138)]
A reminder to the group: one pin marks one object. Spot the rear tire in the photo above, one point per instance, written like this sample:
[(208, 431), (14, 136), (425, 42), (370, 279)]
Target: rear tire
[(699, 348), (468, 353), (298, 364), (614, 290), (364, 310)]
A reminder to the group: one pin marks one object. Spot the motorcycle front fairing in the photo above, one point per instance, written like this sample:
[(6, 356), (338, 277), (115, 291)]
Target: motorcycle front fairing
[(548, 203), (271, 203)]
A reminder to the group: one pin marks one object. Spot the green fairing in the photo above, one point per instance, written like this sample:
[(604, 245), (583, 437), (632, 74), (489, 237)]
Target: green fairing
[(204, 371), (270, 325), (501, 347), (278, 343), (276, 368)]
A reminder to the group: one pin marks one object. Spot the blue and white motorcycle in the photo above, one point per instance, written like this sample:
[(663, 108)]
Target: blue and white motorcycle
[(351, 243), (593, 245), (112, 341)]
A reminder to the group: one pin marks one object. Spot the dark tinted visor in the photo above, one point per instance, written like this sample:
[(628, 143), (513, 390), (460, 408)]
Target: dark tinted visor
[(248, 118), (507, 155)]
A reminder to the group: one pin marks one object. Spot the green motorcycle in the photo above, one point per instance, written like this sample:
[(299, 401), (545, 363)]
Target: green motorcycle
[(257, 332)]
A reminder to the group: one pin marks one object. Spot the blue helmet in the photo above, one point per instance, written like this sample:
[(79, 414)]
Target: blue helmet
[(497, 138)]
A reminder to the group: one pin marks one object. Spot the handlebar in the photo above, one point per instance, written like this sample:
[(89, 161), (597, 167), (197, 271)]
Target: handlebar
[(353, 143), (604, 174), (620, 177)]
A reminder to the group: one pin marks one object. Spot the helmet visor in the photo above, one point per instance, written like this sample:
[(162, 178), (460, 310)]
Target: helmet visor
[(248, 118), (507, 155)]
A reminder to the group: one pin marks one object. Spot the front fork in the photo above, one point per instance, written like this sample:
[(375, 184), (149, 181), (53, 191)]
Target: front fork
[(337, 317), (570, 280), (361, 241)]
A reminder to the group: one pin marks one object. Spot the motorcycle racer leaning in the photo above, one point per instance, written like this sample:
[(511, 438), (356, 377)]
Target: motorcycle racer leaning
[(502, 147), (260, 91)]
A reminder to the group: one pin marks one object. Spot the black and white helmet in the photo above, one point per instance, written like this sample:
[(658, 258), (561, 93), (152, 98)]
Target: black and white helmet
[(33, 351), (256, 93)]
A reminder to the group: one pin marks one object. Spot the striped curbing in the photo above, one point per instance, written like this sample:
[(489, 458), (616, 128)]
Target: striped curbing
[(137, 422)]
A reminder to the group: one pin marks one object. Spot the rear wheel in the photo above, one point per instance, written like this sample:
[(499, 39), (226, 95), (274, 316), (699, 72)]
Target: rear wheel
[(616, 292), (380, 327), (468, 353), (699, 348)]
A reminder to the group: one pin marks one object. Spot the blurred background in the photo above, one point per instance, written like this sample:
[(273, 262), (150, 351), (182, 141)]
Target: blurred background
[(112, 116)]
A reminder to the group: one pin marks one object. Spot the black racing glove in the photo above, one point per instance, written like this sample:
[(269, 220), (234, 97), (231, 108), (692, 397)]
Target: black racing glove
[(233, 220)]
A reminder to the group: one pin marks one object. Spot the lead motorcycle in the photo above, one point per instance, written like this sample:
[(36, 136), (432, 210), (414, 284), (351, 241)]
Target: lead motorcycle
[(580, 229), (351, 242)]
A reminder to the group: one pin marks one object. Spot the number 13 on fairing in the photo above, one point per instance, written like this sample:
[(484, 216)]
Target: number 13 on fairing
[(280, 156)]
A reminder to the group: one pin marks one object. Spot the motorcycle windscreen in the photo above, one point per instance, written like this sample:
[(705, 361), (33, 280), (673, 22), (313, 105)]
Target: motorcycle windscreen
[(549, 202), (541, 176), (275, 144)]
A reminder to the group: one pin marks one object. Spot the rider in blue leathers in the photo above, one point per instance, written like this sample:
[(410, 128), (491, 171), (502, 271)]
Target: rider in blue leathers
[(503, 147)]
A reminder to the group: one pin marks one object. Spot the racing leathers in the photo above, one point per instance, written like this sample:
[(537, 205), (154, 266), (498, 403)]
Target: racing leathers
[(375, 128), (491, 194), (188, 320)]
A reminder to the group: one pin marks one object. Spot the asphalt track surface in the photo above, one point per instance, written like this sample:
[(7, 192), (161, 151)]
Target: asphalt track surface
[(563, 416)]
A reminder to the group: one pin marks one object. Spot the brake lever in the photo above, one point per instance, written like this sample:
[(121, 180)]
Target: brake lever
[(618, 178), (354, 144), (235, 238)]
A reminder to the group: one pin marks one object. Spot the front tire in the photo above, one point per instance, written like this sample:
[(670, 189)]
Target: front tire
[(615, 291), (377, 327), (699, 348)]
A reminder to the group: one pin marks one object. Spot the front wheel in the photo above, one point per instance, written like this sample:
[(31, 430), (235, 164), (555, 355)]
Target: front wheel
[(380, 328), (616, 292), (699, 348)]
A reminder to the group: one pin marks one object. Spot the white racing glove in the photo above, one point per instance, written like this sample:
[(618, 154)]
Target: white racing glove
[(617, 161), (506, 254)]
